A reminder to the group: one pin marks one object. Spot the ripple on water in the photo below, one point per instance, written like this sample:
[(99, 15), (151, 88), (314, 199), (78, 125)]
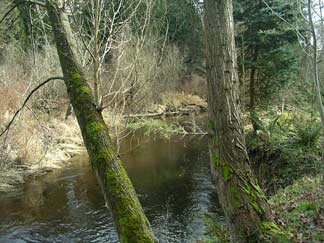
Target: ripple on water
[(172, 180)]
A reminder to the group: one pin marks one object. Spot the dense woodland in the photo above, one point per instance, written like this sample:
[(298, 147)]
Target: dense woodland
[(88, 74)]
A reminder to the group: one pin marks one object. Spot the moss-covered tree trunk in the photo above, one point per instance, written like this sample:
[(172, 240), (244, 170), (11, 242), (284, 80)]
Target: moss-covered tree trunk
[(246, 209), (130, 220)]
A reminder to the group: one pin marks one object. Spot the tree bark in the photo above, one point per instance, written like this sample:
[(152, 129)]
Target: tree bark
[(246, 210), (130, 220)]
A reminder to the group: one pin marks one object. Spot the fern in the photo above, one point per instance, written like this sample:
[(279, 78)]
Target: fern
[(307, 134)]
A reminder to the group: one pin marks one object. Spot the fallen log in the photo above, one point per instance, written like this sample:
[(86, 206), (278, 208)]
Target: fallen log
[(158, 114)]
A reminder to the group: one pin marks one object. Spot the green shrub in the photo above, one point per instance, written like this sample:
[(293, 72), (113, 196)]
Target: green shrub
[(285, 148), (307, 134)]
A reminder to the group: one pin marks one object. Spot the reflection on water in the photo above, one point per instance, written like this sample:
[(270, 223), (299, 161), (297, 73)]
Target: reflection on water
[(171, 178)]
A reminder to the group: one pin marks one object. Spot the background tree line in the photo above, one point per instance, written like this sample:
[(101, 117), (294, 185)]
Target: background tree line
[(268, 48)]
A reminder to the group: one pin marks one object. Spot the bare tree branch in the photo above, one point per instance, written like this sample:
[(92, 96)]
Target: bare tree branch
[(25, 102), (16, 5)]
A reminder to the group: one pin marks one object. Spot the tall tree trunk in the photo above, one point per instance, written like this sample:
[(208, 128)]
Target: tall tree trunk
[(245, 206), (253, 115), (130, 220), (315, 75)]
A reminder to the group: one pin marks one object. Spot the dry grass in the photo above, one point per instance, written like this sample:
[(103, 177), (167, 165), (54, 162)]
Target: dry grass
[(35, 138), (136, 80), (35, 146)]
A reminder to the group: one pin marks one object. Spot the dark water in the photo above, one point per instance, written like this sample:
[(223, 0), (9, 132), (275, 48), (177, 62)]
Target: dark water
[(171, 178)]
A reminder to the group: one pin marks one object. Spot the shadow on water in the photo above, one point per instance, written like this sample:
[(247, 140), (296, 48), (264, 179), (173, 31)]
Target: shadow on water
[(171, 178)]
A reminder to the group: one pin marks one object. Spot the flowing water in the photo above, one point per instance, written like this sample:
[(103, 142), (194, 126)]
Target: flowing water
[(172, 180)]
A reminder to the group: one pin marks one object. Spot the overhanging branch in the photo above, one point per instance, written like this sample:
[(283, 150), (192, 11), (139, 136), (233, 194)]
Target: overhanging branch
[(17, 4), (25, 102)]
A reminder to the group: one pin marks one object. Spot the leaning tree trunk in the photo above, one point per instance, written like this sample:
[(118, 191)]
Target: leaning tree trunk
[(130, 220), (245, 206)]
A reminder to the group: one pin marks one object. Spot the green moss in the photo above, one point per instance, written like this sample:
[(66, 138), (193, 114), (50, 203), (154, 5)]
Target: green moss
[(252, 195), (236, 197), (227, 172), (93, 129), (211, 125), (260, 192), (131, 218), (76, 77), (80, 86), (269, 227), (75, 80), (84, 91), (102, 155), (271, 231), (216, 160)]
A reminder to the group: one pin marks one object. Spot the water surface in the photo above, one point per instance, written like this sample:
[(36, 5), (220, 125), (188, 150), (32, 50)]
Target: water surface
[(172, 180)]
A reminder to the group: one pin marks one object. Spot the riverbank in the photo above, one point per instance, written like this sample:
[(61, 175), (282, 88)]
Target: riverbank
[(297, 208), (285, 154), (34, 152), (40, 143)]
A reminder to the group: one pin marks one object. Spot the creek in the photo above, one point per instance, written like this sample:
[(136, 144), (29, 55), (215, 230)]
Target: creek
[(172, 179)]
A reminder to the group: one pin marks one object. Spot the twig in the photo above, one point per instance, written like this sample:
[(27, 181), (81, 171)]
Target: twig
[(25, 102)]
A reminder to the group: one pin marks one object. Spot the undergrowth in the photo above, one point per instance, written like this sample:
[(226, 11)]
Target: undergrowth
[(300, 208), (216, 231), (285, 151), (286, 147)]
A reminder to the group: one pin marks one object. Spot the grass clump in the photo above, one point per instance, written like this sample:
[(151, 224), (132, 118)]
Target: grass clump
[(216, 231)]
